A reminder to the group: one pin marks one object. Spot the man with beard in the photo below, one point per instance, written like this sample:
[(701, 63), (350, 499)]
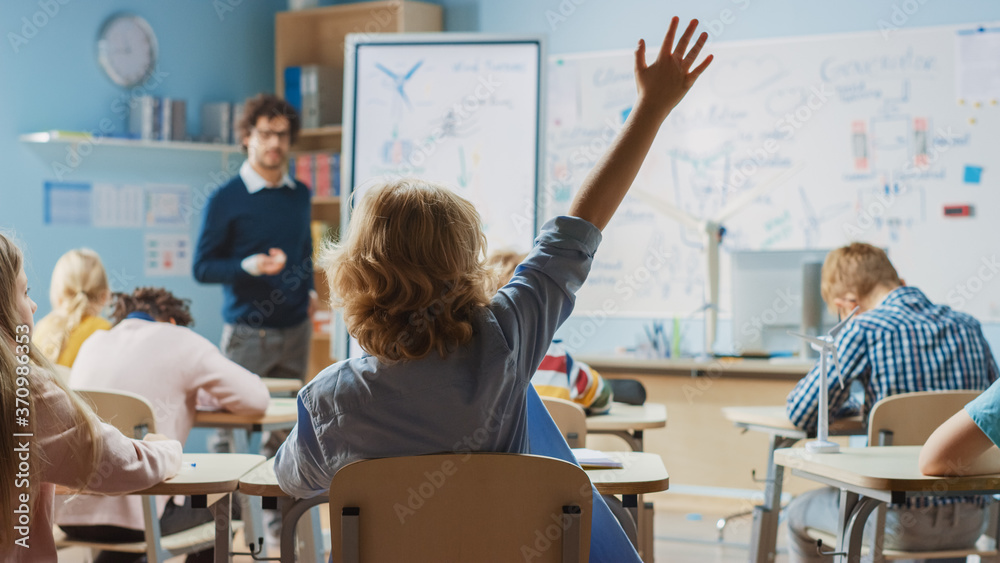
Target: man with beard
[(256, 241)]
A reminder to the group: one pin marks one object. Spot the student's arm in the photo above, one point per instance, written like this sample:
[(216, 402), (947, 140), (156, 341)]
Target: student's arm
[(302, 469), (660, 86), (231, 387), (124, 465), (959, 447), (212, 260)]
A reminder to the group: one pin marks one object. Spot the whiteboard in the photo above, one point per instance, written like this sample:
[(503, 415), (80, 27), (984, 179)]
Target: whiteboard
[(888, 131), (457, 109)]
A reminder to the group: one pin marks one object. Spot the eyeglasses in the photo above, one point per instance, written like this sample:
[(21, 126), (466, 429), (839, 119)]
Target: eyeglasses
[(267, 134)]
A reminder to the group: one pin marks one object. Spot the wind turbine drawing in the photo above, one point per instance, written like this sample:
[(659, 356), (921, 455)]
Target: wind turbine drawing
[(400, 81), (825, 345), (711, 232)]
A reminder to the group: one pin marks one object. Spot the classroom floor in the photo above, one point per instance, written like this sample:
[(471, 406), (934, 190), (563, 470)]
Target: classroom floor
[(685, 532)]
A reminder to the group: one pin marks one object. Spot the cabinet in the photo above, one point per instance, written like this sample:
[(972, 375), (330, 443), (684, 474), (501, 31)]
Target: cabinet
[(316, 37)]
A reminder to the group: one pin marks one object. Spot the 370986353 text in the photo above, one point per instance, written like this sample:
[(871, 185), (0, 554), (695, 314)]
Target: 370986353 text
[(22, 440)]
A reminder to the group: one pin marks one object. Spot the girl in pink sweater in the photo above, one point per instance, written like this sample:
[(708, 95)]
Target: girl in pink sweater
[(53, 437)]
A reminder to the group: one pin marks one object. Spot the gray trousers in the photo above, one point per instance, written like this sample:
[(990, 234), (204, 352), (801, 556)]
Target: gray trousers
[(950, 526), (268, 352)]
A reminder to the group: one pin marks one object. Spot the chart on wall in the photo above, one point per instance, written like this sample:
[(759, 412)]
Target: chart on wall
[(885, 139), (462, 111)]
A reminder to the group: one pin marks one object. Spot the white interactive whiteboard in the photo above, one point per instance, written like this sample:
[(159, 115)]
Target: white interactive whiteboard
[(458, 109), (890, 130)]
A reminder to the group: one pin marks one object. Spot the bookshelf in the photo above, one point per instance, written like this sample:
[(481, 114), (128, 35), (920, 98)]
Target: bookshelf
[(316, 37)]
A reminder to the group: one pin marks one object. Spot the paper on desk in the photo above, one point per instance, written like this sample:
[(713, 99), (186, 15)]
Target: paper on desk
[(588, 458)]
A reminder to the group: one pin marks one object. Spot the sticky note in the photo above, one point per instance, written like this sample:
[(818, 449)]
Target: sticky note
[(973, 174)]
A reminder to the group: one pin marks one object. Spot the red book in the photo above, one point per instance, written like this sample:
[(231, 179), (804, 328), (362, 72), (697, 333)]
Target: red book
[(323, 187), (304, 170)]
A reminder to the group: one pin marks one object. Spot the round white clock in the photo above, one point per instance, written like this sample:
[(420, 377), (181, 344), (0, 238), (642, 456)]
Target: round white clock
[(126, 49)]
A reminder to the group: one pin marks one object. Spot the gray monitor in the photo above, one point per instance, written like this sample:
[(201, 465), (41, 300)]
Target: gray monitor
[(775, 292)]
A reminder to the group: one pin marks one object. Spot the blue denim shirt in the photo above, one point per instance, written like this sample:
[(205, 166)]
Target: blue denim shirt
[(472, 400)]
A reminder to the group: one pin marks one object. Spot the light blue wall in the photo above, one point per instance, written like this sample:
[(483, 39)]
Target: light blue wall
[(54, 82)]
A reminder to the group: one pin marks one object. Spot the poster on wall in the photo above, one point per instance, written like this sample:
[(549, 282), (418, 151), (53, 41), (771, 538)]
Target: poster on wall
[(167, 254)]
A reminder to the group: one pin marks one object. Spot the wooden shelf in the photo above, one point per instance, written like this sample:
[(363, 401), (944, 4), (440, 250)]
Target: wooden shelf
[(55, 138), (321, 139)]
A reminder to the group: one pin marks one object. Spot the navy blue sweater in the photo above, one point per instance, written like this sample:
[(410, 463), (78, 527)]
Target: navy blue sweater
[(238, 224)]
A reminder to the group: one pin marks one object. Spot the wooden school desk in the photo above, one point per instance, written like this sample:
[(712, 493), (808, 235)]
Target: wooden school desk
[(868, 476), (209, 474), (281, 414), (773, 422), (629, 421), (641, 473)]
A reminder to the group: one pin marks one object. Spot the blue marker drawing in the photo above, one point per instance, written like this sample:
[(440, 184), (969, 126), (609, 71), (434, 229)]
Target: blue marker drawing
[(400, 80), (973, 174)]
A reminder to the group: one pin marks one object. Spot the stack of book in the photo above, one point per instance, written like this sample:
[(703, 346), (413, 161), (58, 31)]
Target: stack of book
[(319, 171)]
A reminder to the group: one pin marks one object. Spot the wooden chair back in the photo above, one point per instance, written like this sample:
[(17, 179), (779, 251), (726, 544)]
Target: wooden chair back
[(130, 413), (908, 419), (461, 507), (570, 418)]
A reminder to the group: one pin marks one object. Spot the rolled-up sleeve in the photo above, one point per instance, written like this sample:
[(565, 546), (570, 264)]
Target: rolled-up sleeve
[(542, 293), (299, 465)]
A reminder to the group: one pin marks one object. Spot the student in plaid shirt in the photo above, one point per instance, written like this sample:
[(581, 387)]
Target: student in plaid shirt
[(900, 342)]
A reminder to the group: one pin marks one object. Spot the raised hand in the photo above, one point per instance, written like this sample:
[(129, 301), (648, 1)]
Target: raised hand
[(661, 86), (663, 83)]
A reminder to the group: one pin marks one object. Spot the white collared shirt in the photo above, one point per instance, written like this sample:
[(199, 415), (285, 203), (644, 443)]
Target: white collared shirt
[(255, 182)]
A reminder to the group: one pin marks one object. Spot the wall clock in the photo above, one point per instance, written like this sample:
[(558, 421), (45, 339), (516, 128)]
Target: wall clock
[(126, 49)]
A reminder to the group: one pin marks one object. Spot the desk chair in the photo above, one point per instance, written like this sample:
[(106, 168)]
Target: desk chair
[(892, 423), (570, 418), (461, 507), (133, 416)]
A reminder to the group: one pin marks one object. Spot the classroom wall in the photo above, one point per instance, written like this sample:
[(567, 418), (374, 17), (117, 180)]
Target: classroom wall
[(224, 51), (593, 25), (53, 81)]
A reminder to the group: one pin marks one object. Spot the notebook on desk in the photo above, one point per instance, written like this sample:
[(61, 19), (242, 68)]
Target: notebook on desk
[(593, 459)]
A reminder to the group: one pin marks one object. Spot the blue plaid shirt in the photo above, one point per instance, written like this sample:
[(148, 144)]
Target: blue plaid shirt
[(905, 344)]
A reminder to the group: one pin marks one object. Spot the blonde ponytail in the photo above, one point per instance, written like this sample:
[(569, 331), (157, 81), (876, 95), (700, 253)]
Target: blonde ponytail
[(79, 289)]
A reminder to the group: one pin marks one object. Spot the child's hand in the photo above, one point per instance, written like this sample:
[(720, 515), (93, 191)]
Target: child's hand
[(661, 85)]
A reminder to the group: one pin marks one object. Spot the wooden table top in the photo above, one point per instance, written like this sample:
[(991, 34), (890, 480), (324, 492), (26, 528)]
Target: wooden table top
[(629, 417), (211, 473), (775, 417), (884, 468), (642, 473), (280, 410), (781, 368), (281, 385)]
